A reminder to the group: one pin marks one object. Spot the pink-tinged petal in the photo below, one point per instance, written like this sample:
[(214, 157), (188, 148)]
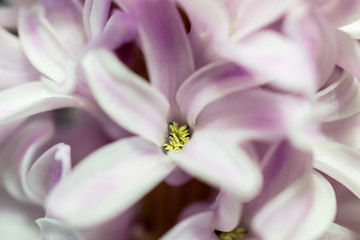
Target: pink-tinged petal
[(32, 98), (209, 84), (196, 227), (165, 45), (339, 162), (227, 214), (307, 26), (282, 165), (118, 30), (14, 67), (19, 152), (65, 18), (52, 229), (338, 232), (255, 14), (48, 170), (8, 17), (274, 57), (340, 99), (108, 182), (44, 49), (306, 208), (339, 12), (95, 16), (127, 98), (252, 114), (207, 157), (353, 29), (349, 54)]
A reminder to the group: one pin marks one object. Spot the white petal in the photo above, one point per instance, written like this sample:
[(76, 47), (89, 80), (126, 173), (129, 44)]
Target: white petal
[(52, 229), (108, 182)]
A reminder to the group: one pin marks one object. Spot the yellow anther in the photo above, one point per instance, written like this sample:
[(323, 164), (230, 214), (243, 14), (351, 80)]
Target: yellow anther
[(177, 137), (236, 234)]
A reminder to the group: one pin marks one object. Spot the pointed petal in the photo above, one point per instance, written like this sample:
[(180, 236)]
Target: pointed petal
[(48, 170), (19, 152), (340, 99), (196, 227), (209, 84), (44, 49), (228, 212), (52, 229), (338, 232), (32, 98), (216, 162), (307, 207), (95, 15), (353, 29), (272, 56), (108, 182), (127, 98), (339, 162), (165, 45), (14, 67)]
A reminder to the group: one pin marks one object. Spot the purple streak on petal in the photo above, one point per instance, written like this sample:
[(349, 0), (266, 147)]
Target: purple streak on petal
[(196, 227), (108, 182), (48, 170), (209, 84), (95, 16), (166, 47), (307, 26), (43, 48)]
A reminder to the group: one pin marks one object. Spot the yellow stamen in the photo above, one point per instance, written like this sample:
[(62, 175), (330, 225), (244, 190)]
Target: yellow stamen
[(177, 138), (235, 234)]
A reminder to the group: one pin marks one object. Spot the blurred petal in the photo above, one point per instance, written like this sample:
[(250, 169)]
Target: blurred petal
[(307, 208), (220, 164), (165, 45), (337, 232), (307, 26), (8, 17), (14, 67), (209, 84), (19, 152), (32, 98), (227, 213), (52, 229), (95, 16), (127, 98), (118, 30), (44, 49), (353, 29), (196, 227), (48, 170), (339, 162), (108, 182), (274, 57)]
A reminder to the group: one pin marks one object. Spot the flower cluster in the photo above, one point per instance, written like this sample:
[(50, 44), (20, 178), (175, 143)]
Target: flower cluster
[(180, 119)]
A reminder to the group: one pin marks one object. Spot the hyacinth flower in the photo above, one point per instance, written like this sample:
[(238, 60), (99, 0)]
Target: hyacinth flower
[(295, 203), (190, 122)]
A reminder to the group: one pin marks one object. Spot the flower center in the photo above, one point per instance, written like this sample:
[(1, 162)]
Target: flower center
[(235, 234), (177, 137)]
